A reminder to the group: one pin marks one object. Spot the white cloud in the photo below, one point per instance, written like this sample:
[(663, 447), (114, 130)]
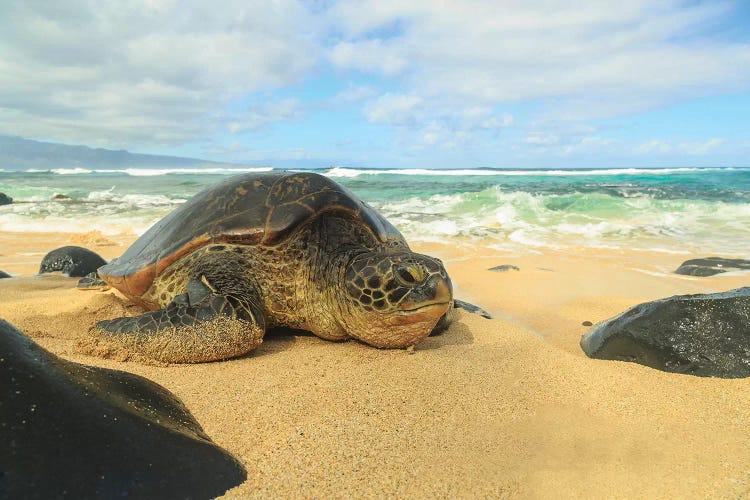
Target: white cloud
[(166, 72), (369, 55), (259, 116), (433, 133), (439, 134), (394, 109), (587, 144), (654, 146), (143, 72), (506, 120), (702, 147), (662, 146), (541, 139), (355, 93), (432, 122), (598, 59)]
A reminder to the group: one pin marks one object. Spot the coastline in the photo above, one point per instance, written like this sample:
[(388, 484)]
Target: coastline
[(503, 407)]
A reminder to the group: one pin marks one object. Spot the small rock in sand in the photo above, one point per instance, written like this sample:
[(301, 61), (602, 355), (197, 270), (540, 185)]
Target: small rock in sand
[(504, 268), (711, 266)]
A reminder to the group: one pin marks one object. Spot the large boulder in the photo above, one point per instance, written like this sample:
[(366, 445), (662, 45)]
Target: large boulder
[(71, 260), (5, 199), (712, 265), (77, 431), (705, 335)]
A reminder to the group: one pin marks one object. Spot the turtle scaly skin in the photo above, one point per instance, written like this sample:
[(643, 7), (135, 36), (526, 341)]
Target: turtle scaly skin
[(266, 250)]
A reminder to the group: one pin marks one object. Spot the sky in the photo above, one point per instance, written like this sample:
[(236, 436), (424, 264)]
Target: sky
[(385, 83)]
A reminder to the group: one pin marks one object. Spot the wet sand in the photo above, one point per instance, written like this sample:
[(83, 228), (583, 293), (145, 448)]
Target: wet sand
[(508, 407)]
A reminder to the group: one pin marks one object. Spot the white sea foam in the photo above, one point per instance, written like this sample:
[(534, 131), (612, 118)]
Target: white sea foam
[(670, 251), (147, 172), (436, 204), (343, 172), (133, 200), (346, 172), (61, 224), (35, 199), (520, 219), (60, 171), (351, 172), (513, 220), (151, 172)]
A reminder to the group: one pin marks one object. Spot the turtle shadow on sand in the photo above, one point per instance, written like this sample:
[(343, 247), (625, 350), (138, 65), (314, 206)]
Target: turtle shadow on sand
[(275, 341), (281, 339), (31, 283), (456, 334)]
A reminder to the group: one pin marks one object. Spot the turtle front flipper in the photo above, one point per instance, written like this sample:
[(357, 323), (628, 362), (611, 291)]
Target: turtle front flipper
[(92, 281), (204, 324)]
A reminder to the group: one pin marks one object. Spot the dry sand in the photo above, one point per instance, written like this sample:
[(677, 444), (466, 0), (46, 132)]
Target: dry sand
[(508, 407)]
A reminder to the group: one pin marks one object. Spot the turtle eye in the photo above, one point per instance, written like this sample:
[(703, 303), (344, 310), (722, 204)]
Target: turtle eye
[(408, 275)]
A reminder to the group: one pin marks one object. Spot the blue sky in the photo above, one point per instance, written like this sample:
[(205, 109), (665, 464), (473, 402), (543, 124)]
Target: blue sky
[(387, 83)]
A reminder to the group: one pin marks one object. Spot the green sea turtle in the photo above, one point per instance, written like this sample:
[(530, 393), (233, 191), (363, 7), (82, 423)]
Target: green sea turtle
[(262, 250)]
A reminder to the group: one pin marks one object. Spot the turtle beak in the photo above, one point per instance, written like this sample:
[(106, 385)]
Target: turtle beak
[(425, 305), (434, 292)]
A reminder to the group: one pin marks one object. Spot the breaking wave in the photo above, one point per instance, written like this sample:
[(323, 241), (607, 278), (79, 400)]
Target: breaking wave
[(343, 172), (678, 210)]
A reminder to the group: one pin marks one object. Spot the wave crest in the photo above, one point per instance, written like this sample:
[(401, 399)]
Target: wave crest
[(346, 172), (521, 219), (150, 172)]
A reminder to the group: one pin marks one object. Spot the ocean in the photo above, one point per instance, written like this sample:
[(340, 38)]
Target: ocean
[(681, 210)]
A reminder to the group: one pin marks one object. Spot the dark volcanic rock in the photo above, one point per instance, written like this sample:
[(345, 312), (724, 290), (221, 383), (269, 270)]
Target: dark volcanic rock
[(71, 260), (3, 274), (504, 267), (5, 199), (712, 265), (705, 335), (77, 431)]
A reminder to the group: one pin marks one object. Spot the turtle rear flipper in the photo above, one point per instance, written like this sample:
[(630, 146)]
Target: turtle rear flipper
[(197, 326)]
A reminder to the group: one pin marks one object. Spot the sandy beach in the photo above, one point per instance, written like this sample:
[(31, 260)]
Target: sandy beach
[(508, 407)]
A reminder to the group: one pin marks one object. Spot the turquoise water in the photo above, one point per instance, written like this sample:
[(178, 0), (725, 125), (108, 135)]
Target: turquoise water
[(675, 210)]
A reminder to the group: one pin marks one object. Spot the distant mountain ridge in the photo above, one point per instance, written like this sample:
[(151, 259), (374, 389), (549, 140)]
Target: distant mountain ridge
[(18, 153)]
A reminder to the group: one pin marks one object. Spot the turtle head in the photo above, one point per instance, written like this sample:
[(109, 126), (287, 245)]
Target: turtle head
[(394, 299)]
